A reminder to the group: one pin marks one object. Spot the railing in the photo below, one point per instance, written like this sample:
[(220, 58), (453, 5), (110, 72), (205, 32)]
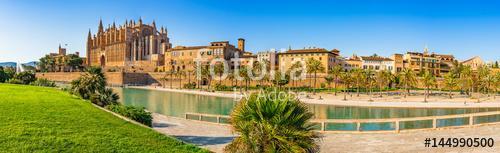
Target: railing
[(380, 125), (220, 119), (398, 124)]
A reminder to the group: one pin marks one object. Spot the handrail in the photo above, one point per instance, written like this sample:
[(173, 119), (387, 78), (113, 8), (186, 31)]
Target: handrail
[(396, 121), (200, 116)]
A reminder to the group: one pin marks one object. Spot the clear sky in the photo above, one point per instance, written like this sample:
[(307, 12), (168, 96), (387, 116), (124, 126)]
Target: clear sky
[(30, 29)]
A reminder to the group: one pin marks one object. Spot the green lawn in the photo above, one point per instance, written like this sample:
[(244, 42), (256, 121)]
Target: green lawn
[(38, 119)]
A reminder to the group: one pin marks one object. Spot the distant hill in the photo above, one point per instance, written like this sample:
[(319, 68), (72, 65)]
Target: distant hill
[(8, 64), (14, 64)]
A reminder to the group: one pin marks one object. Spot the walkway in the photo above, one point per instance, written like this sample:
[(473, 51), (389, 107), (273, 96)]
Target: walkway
[(214, 137)]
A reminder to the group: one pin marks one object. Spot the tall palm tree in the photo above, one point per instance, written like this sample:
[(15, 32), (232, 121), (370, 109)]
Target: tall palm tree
[(358, 77), (487, 82), (409, 79), (314, 66), (450, 82), (272, 125), (466, 80), (244, 74), (329, 79), (383, 78), (368, 75), (296, 66), (346, 79), (219, 70), (429, 80), (180, 74), (335, 72)]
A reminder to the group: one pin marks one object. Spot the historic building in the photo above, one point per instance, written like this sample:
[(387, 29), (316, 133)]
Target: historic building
[(61, 59), (128, 47), (327, 58), (377, 63), (185, 58), (353, 62), (474, 62), (398, 63)]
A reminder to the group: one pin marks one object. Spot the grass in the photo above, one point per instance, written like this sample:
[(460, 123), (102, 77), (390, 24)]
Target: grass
[(40, 119)]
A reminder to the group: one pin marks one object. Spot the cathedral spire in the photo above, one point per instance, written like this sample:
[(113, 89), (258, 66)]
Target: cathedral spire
[(89, 37), (154, 24), (101, 28), (114, 25), (140, 20)]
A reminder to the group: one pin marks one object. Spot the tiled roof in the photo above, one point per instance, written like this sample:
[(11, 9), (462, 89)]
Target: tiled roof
[(375, 58)]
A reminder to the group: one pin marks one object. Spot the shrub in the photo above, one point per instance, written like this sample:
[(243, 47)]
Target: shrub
[(104, 98), (15, 81), (25, 77), (43, 82), (266, 124), (191, 85), (135, 113)]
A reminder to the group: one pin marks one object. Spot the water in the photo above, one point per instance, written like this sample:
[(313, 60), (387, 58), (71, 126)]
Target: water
[(176, 104)]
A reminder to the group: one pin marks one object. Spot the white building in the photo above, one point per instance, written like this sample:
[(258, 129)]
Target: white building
[(377, 63)]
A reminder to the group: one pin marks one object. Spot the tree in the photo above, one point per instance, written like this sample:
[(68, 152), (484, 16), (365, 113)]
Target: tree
[(272, 125), (408, 78), (428, 80), (329, 79), (298, 67), (219, 70), (91, 82), (383, 78), (335, 72), (244, 74), (3, 75), (358, 77), (25, 77), (368, 75), (487, 82), (180, 73), (346, 79), (466, 80), (314, 66), (47, 64), (74, 62), (281, 80), (450, 83)]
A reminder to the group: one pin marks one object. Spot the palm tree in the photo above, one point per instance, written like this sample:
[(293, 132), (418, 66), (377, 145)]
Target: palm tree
[(329, 79), (244, 74), (219, 70), (466, 80), (346, 79), (408, 78), (383, 77), (272, 125), (358, 77), (335, 72), (205, 73), (368, 75), (428, 80), (487, 82), (91, 82), (298, 67), (314, 66), (450, 82), (180, 73)]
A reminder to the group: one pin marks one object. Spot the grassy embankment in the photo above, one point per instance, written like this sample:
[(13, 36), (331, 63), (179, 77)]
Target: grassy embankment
[(49, 120)]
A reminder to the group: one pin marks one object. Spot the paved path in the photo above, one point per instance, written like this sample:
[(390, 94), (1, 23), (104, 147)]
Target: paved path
[(214, 137), (207, 135)]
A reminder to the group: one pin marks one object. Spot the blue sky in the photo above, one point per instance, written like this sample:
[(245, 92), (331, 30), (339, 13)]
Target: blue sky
[(30, 29)]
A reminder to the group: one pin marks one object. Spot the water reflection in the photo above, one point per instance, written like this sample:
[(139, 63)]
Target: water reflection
[(176, 104)]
